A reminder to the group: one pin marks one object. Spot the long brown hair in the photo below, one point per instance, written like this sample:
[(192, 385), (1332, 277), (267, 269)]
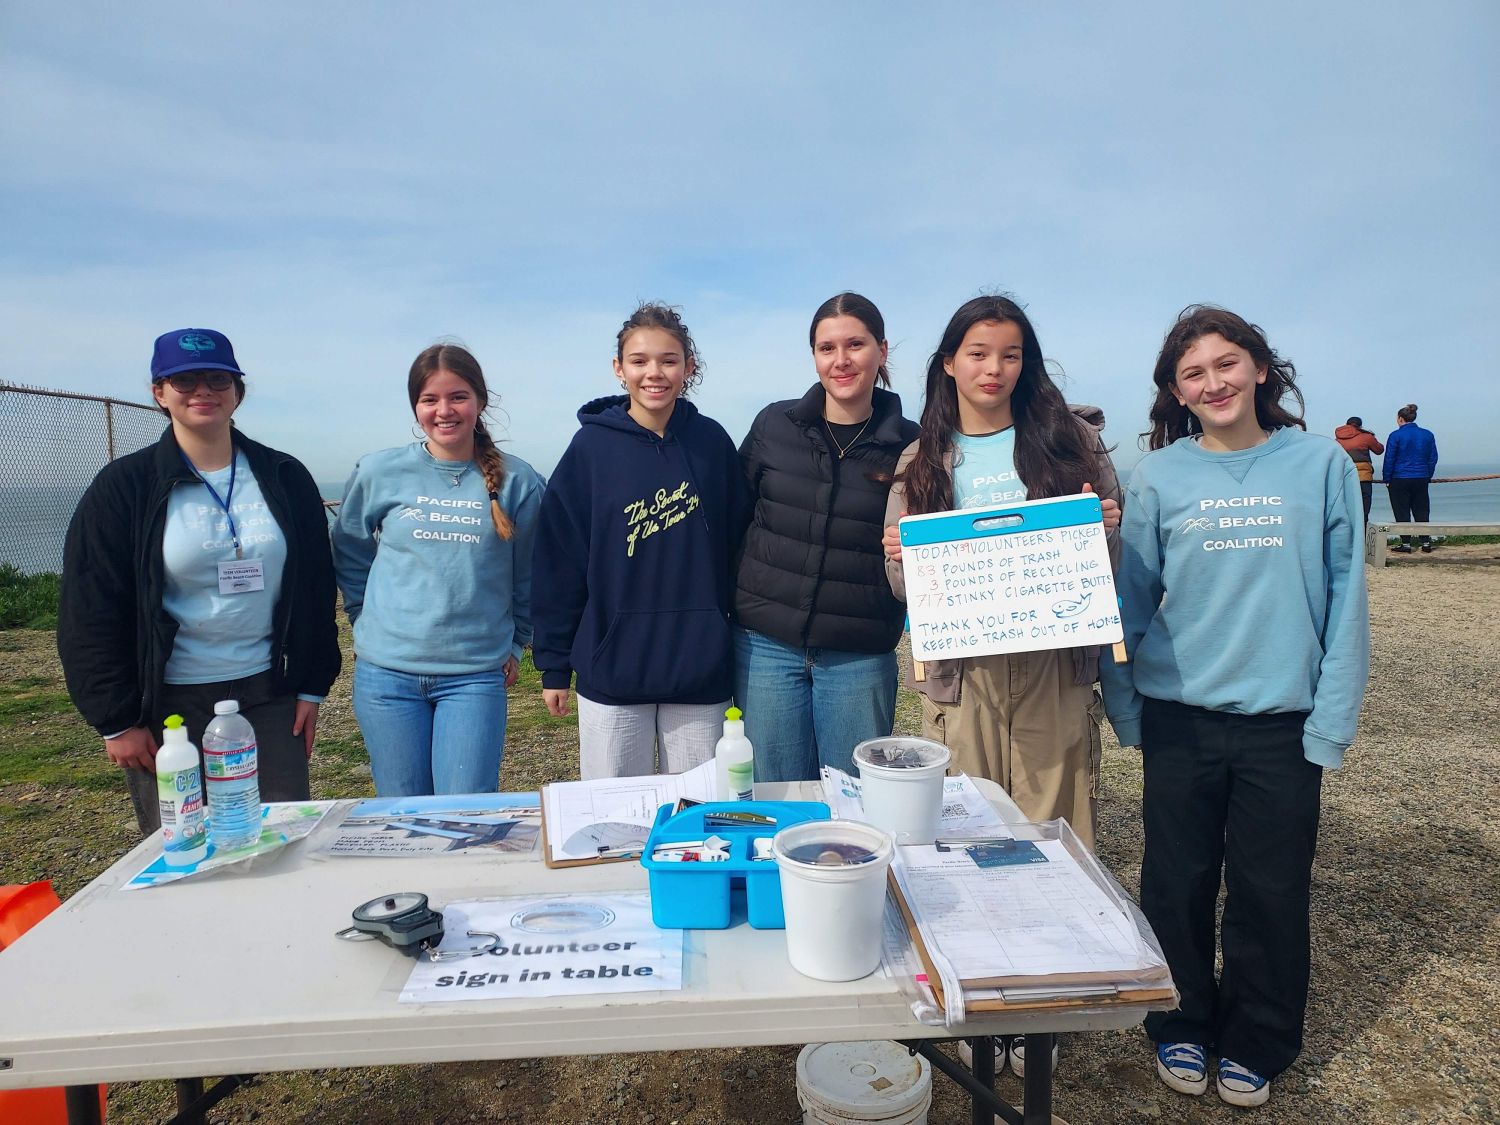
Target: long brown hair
[(1053, 456), (1171, 420), (459, 361)]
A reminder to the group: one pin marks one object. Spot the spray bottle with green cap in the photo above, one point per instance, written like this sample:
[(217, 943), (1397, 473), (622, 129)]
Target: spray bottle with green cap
[(734, 760), (179, 787)]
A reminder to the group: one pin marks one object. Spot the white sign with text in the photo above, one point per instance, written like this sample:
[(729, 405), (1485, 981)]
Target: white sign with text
[(1013, 578)]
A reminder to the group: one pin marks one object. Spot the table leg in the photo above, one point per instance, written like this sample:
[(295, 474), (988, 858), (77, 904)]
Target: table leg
[(189, 1090), (1037, 1085), (82, 1103), (987, 1104), (982, 1051)]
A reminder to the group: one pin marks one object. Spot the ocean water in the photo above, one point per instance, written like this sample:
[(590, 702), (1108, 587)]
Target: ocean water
[(1464, 502), (34, 518)]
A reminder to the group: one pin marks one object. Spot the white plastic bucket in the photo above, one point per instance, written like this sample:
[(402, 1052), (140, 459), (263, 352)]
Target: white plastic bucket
[(833, 892), (901, 785), (843, 1083)]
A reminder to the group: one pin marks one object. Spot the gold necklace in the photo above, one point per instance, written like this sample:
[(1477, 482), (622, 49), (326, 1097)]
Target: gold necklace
[(843, 449)]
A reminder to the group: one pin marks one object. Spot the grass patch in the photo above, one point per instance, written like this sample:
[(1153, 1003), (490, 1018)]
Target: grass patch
[(1470, 540), (27, 601), (30, 703)]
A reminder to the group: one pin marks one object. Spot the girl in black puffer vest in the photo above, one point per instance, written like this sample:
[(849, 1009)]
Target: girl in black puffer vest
[(815, 663)]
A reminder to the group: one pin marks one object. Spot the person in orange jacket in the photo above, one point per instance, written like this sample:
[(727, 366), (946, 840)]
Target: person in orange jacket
[(1359, 443)]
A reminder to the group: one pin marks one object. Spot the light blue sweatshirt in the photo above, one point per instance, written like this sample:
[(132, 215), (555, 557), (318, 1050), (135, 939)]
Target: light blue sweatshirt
[(436, 592), (1242, 588)]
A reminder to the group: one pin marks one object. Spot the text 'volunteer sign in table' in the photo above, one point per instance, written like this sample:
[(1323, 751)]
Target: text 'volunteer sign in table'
[(1014, 578)]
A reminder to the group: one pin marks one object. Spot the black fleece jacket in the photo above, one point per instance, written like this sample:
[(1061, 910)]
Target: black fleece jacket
[(113, 634), (813, 571)]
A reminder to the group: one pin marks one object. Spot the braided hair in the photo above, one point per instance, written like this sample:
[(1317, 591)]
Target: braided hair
[(459, 361)]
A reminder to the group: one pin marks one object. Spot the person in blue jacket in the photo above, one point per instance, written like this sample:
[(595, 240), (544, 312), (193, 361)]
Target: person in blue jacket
[(638, 530), (1242, 590), (1410, 463), (433, 553)]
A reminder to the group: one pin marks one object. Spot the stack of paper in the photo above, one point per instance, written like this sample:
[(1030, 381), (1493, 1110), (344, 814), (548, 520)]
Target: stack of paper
[(582, 820), (1023, 923)]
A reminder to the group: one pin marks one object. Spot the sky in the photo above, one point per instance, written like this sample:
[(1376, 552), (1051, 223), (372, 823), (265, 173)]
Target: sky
[(336, 186)]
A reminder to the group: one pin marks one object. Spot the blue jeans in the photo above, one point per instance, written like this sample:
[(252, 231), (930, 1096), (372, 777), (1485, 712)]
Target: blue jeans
[(809, 707), (431, 734)]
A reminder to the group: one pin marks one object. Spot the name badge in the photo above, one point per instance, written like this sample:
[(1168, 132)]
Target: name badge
[(241, 576)]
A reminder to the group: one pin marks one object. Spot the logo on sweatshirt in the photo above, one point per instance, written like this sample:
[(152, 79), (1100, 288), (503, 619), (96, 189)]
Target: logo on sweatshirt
[(413, 514), (652, 514), (1235, 513)]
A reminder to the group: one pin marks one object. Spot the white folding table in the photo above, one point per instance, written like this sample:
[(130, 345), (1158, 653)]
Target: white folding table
[(241, 972)]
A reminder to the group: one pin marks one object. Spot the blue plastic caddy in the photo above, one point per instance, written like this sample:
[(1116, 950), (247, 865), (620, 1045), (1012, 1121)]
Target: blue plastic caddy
[(697, 896)]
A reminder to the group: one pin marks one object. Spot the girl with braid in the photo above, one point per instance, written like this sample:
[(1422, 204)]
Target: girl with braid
[(432, 548)]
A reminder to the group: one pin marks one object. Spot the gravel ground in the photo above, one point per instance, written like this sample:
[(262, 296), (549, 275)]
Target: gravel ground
[(1402, 1023)]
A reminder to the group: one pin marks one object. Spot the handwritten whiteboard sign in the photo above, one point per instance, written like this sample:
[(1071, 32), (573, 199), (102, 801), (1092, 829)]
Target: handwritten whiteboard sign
[(1013, 578)]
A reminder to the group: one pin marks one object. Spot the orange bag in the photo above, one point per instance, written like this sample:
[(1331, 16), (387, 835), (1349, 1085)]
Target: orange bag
[(22, 907)]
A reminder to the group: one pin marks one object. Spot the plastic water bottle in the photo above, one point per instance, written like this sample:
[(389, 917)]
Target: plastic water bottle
[(229, 768), (734, 760), (179, 787)]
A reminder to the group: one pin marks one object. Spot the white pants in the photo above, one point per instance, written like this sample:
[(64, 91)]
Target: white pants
[(621, 741)]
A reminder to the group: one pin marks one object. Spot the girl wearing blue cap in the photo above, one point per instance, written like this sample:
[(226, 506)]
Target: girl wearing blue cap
[(433, 552), (197, 570)]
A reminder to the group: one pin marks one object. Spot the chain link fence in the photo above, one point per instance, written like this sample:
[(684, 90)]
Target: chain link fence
[(51, 445)]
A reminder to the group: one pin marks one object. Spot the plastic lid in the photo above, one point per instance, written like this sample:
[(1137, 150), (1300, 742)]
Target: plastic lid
[(898, 753), (734, 713), (879, 1081), (832, 844), (173, 730), (227, 707)]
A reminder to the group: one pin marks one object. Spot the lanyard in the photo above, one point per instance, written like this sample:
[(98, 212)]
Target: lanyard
[(223, 501)]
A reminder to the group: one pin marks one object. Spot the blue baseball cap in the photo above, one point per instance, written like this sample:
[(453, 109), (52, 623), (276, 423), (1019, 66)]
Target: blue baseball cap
[(192, 349)]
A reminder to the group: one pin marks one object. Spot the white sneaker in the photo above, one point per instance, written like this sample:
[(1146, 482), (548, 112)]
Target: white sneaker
[(1183, 1067), (1239, 1085), (966, 1054), (1018, 1055)]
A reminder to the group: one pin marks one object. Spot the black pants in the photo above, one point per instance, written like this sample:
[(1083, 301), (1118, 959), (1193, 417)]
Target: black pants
[(281, 758), (1230, 792), (1365, 489), (1410, 502)]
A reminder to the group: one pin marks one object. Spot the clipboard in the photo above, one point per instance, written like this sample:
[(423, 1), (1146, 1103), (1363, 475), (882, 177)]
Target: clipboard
[(1121, 995), (587, 861), (597, 828), (1009, 578)]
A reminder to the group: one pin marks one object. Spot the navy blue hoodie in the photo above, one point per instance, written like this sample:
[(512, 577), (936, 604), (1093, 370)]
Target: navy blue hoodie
[(632, 573)]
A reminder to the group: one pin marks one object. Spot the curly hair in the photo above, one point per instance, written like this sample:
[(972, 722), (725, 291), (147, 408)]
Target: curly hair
[(654, 314)]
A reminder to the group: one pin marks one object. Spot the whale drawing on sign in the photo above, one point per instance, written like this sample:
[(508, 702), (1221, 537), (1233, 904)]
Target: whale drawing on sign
[(1072, 607)]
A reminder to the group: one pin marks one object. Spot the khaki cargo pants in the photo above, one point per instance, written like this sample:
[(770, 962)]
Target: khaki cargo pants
[(1022, 722)]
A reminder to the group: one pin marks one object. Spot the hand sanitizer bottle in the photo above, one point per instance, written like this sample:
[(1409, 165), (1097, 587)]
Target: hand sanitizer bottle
[(734, 760), (179, 787)]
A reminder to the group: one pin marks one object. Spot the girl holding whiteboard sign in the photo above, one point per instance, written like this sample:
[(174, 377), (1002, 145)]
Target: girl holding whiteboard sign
[(1243, 602), (995, 430)]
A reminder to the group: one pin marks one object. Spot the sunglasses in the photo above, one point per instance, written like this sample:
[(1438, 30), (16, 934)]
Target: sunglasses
[(186, 382)]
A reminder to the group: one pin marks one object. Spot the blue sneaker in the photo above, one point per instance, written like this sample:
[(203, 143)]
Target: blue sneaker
[(1183, 1066), (1239, 1085)]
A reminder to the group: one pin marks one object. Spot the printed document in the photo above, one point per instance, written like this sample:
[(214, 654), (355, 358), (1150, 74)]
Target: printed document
[(551, 945), (1015, 923), (615, 812)]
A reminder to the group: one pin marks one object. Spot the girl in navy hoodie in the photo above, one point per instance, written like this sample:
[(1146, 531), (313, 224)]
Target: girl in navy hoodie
[(632, 588)]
